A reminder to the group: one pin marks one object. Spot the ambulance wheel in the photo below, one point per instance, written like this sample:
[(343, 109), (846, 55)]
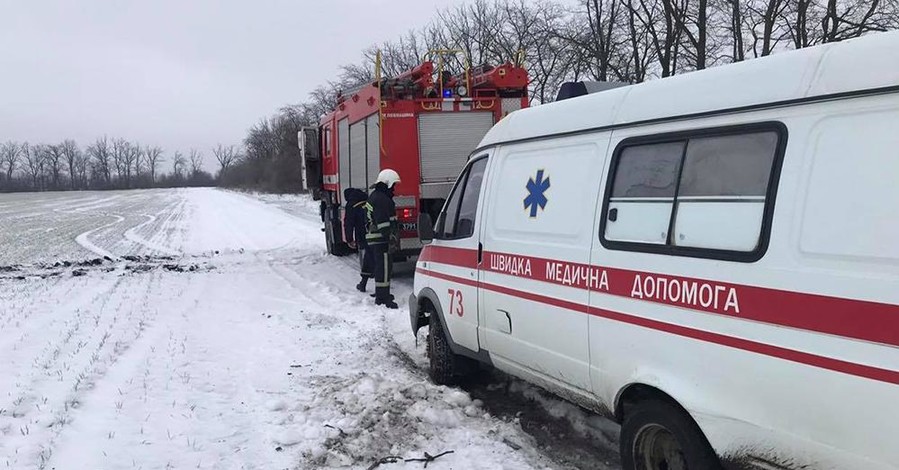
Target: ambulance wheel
[(660, 436), (445, 368)]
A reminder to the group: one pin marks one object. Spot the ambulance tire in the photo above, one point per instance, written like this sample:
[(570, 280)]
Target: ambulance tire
[(445, 368), (656, 434)]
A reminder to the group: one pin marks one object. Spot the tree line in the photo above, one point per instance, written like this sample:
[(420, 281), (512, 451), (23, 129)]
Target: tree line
[(104, 164), (629, 41)]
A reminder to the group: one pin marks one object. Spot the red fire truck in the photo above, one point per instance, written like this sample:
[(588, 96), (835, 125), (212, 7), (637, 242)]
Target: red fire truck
[(422, 123)]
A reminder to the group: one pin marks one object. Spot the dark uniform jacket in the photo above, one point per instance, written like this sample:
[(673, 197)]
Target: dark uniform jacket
[(356, 219), (382, 215)]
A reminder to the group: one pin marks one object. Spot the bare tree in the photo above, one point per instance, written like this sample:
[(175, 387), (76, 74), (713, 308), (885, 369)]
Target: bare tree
[(473, 28), (657, 19), (763, 17), (53, 159), (34, 162), (196, 162), (140, 160), (735, 27), (120, 149), (224, 155), (100, 153), (694, 25), (179, 163), (10, 153), (641, 45), (82, 160), (72, 153), (845, 19), (130, 157), (597, 45), (153, 159)]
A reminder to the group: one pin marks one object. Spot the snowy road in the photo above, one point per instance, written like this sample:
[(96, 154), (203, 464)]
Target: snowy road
[(217, 334)]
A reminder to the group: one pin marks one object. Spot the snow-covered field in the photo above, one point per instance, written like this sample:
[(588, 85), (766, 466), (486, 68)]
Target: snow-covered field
[(208, 329)]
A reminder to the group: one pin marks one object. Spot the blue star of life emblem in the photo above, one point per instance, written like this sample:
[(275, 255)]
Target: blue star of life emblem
[(536, 193)]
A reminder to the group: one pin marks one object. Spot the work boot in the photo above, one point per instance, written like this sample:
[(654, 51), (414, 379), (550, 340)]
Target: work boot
[(389, 303), (361, 286), (383, 297)]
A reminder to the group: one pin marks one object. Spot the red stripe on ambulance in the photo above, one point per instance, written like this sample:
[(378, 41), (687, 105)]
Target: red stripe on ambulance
[(850, 318), (821, 362)]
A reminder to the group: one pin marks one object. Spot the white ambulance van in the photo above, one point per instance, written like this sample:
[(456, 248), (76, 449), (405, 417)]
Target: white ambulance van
[(710, 259)]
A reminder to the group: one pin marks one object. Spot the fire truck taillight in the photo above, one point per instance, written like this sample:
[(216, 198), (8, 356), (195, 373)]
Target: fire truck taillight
[(407, 213)]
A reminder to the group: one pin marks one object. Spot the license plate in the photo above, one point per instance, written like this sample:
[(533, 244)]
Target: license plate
[(409, 226)]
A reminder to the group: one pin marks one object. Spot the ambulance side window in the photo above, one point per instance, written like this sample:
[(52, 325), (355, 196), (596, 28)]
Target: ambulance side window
[(468, 208), (722, 192), (458, 217), (446, 224), (643, 192), (707, 193)]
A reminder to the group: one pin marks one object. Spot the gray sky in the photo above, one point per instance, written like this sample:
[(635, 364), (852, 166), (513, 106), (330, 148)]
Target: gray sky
[(177, 73)]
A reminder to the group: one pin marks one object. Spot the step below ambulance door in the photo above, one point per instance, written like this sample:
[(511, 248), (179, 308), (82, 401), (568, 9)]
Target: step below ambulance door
[(453, 256)]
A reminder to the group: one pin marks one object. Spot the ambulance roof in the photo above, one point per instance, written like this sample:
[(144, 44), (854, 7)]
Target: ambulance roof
[(864, 63)]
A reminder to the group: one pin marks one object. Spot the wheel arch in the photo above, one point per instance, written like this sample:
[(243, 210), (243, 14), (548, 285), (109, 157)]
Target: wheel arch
[(637, 392), (427, 301)]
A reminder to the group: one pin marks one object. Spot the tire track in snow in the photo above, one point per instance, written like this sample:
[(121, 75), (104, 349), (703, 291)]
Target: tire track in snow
[(103, 339), (131, 235), (84, 240)]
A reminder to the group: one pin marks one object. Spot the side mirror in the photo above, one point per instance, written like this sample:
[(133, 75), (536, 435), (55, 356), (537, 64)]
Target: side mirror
[(425, 228)]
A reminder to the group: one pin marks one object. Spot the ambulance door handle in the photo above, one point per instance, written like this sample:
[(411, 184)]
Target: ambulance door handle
[(613, 214)]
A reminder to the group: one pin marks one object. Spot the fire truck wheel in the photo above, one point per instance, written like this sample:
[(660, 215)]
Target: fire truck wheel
[(335, 247), (445, 368), (660, 436)]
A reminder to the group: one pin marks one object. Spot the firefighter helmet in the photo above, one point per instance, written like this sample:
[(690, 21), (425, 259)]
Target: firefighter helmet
[(388, 177)]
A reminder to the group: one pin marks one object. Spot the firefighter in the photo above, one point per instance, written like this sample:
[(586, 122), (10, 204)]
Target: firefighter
[(382, 230), (355, 228)]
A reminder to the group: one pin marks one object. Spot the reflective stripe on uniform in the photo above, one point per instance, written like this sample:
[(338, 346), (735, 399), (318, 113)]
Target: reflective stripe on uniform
[(384, 225), (382, 284)]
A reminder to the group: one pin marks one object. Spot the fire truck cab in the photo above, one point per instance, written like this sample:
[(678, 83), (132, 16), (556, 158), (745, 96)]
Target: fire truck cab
[(422, 123)]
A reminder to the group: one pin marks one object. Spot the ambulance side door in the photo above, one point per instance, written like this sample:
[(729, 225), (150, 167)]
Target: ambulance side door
[(535, 277), (454, 256)]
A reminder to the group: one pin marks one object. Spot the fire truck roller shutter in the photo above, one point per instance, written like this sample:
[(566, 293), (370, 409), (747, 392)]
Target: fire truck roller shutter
[(343, 153), (373, 143), (358, 178), (446, 140)]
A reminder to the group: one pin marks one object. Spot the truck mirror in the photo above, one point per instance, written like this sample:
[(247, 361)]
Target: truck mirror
[(425, 228)]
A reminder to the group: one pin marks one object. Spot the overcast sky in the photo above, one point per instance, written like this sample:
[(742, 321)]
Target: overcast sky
[(177, 73)]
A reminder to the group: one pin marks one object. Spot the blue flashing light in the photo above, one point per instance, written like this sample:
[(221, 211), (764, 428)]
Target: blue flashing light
[(447, 93)]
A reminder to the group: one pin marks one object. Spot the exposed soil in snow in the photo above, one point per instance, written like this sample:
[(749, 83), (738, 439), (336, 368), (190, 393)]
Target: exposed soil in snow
[(209, 329)]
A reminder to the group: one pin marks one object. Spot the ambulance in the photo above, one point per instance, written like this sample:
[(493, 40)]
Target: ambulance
[(711, 260)]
